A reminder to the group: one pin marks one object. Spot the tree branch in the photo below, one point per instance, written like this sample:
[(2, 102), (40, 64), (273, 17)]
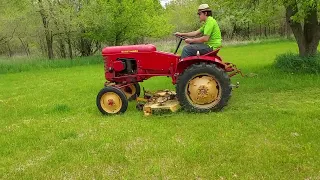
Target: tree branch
[(14, 31), (60, 33), (3, 38)]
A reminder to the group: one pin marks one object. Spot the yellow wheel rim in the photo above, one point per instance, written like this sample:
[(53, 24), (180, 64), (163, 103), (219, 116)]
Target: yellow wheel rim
[(203, 91), (111, 102), (129, 91)]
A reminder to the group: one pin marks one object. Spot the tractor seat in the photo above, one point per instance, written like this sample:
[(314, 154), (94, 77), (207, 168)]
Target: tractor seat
[(214, 52)]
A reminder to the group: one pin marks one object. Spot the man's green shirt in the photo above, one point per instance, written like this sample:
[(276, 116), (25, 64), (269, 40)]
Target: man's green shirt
[(211, 28)]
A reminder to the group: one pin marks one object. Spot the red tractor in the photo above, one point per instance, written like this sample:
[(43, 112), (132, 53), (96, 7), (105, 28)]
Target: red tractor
[(202, 81)]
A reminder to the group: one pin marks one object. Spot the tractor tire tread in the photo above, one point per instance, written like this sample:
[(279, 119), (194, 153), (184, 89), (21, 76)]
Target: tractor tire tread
[(222, 76)]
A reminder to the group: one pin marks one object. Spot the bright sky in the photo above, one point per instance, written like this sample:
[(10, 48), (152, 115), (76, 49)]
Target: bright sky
[(163, 2)]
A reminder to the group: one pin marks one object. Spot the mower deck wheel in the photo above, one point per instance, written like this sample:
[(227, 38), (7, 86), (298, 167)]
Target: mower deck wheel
[(132, 91)]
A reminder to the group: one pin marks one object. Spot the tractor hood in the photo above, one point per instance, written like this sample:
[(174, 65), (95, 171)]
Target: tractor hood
[(128, 49)]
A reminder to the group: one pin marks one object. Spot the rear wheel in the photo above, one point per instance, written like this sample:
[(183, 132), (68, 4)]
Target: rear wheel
[(111, 100), (132, 91), (203, 87)]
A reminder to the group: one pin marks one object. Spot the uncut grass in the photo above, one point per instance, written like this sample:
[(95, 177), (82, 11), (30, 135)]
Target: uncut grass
[(12, 65), (51, 128)]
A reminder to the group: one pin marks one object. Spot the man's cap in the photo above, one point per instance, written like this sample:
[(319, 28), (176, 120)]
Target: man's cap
[(204, 7)]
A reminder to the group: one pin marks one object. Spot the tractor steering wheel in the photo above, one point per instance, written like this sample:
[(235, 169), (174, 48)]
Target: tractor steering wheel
[(181, 38)]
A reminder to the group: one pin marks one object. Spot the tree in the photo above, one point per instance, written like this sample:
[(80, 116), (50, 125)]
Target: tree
[(304, 22), (235, 19), (48, 32), (302, 16), (183, 15), (119, 21)]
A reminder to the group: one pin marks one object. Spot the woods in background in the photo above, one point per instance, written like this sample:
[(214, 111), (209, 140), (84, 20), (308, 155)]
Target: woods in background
[(69, 28)]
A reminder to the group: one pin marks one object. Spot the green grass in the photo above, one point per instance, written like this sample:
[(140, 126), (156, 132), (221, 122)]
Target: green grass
[(13, 65), (50, 127)]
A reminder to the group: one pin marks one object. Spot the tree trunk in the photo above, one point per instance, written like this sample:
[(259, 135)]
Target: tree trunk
[(25, 47), (284, 29), (10, 53), (118, 38), (260, 30), (98, 47), (248, 30), (47, 32), (69, 46), (42, 47), (62, 48), (307, 35), (68, 41), (312, 32), (288, 30), (85, 46), (234, 30), (49, 40)]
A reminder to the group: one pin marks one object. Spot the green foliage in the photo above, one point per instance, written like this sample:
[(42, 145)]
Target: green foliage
[(183, 15), (116, 22), (304, 8), (294, 63), (234, 18), (302, 16), (78, 26)]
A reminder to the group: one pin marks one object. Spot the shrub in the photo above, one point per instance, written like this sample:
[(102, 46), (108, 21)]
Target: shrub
[(294, 63)]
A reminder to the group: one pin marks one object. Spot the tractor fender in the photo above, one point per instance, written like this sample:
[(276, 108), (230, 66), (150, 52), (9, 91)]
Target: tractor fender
[(186, 62)]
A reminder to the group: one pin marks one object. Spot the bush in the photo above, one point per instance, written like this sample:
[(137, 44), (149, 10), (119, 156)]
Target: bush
[(296, 64)]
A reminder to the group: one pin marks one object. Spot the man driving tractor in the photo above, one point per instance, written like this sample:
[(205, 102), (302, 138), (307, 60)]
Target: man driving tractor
[(210, 31), (202, 83)]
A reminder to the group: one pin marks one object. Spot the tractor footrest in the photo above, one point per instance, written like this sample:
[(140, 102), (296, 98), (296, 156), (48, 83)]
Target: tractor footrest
[(167, 106)]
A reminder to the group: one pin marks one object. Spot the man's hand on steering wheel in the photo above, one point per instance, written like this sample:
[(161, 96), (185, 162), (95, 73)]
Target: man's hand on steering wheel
[(182, 37), (188, 40), (178, 34)]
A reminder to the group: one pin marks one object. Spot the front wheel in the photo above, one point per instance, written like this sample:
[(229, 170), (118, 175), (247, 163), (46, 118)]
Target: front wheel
[(111, 100), (203, 87)]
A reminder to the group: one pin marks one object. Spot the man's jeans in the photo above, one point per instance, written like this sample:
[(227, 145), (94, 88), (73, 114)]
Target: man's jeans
[(191, 50)]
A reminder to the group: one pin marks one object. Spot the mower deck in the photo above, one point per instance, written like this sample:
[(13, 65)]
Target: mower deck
[(159, 102), (170, 105)]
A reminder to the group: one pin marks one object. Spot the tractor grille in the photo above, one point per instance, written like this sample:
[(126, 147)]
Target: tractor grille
[(105, 64)]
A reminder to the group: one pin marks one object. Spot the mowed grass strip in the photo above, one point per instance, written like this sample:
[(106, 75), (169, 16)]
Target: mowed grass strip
[(50, 127)]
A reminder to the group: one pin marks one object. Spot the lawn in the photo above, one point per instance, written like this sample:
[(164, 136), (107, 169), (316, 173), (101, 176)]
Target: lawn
[(51, 128)]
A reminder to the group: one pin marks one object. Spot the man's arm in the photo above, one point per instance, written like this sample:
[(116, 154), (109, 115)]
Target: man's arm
[(189, 34), (198, 40), (206, 31)]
